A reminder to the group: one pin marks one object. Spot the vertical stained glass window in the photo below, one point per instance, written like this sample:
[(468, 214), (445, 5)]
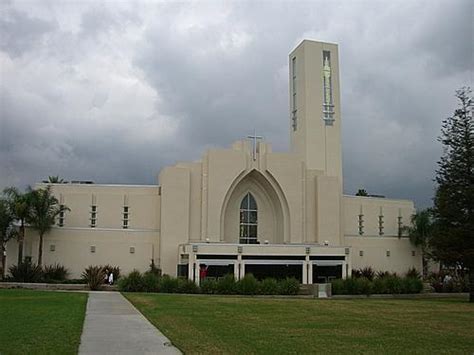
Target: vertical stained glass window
[(248, 220), (328, 105), (293, 96)]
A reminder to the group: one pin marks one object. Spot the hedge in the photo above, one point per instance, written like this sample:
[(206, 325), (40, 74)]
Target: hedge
[(390, 284), (227, 285)]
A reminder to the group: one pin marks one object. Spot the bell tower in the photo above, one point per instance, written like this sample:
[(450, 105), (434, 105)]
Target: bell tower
[(315, 111)]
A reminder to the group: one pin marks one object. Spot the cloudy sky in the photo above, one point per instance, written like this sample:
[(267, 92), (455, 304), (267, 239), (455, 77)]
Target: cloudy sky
[(113, 91)]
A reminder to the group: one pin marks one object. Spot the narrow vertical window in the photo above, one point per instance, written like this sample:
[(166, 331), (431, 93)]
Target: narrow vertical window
[(400, 226), (328, 105), (381, 222), (61, 216), (361, 224), (93, 214), (293, 96), (61, 211), (125, 217), (248, 220)]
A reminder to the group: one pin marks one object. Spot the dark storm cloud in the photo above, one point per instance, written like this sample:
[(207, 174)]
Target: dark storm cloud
[(114, 93)]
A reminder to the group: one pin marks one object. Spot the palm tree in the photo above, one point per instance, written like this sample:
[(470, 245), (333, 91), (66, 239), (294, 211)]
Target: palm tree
[(420, 233), (6, 230), (55, 180), (44, 210), (19, 204)]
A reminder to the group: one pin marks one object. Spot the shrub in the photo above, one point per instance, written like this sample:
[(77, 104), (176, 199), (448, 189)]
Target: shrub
[(226, 285), (379, 285), (368, 273), (150, 282), (412, 285), (209, 286), (339, 287), (55, 272), (289, 286), (363, 286), (357, 286), (168, 284), (413, 273), (248, 285), (394, 284), (269, 287), (382, 274), (350, 285), (356, 273), (186, 286), (94, 277), (153, 269), (26, 272)]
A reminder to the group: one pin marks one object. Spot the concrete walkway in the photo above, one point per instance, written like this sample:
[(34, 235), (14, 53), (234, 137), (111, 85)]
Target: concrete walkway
[(114, 326)]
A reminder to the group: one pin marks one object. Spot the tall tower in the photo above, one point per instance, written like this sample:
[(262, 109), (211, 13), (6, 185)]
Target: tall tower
[(315, 111)]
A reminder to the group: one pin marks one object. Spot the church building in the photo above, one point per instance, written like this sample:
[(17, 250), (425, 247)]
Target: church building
[(242, 209)]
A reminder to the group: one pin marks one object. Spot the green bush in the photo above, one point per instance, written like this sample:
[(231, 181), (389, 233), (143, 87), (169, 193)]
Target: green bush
[(150, 282), (208, 286), (379, 285), (26, 272), (226, 285), (338, 287), (186, 286), (382, 274), (368, 273), (168, 284), (131, 283), (413, 273), (94, 277), (391, 284), (412, 285), (289, 286), (363, 286), (154, 269), (248, 285), (269, 287), (394, 284), (350, 285), (357, 286), (55, 272)]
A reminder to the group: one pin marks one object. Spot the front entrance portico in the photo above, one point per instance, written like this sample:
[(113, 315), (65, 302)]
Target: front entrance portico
[(268, 260)]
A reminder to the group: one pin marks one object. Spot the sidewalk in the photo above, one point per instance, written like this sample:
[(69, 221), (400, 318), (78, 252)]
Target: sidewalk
[(114, 326)]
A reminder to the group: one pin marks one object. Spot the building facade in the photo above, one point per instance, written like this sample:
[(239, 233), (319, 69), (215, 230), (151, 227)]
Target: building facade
[(244, 209)]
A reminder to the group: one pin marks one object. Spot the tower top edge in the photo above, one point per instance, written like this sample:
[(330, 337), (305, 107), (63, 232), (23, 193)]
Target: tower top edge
[(312, 42)]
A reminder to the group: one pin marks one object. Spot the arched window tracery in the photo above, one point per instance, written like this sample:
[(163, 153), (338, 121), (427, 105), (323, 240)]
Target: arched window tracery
[(248, 220)]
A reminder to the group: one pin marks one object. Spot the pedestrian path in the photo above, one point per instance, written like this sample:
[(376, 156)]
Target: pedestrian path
[(114, 326)]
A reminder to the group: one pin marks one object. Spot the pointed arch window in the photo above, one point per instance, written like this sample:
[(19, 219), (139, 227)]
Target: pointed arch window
[(248, 220)]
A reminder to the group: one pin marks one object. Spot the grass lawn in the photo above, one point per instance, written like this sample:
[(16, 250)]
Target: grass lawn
[(232, 325), (41, 322)]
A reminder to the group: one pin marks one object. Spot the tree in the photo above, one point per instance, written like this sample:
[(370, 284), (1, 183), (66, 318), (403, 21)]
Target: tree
[(7, 231), (19, 204), (362, 192), (55, 180), (420, 233), (44, 210), (453, 240)]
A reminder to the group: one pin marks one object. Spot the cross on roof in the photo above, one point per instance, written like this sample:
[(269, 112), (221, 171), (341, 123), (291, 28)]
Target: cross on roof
[(255, 137)]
